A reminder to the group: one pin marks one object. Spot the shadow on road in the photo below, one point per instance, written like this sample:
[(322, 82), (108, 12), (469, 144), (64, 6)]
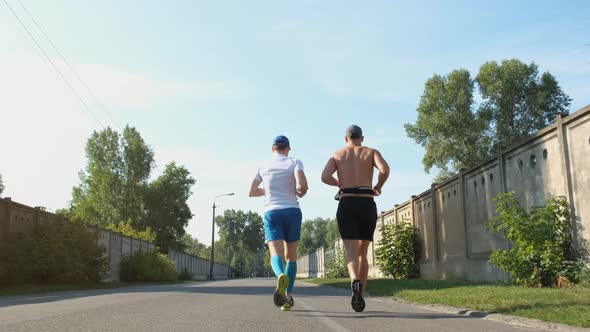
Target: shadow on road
[(208, 287)]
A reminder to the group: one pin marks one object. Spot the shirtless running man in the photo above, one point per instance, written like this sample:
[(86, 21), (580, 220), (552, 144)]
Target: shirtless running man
[(357, 212)]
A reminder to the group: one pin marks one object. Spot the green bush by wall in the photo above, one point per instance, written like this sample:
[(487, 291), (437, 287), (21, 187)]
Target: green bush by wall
[(59, 251), (147, 266), (397, 253), (336, 265), (543, 254)]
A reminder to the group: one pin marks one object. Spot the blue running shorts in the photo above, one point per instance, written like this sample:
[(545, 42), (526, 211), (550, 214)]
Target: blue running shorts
[(283, 224)]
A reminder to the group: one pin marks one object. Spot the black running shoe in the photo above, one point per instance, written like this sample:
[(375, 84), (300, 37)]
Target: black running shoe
[(357, 302), (280, 296)]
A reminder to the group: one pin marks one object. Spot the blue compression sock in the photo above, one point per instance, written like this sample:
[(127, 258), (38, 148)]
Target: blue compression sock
[(291, 271), (277, 265)]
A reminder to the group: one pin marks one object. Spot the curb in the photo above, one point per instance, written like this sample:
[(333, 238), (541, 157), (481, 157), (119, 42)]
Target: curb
[(507, 319)]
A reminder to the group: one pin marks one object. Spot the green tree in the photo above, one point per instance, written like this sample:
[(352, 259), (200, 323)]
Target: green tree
[(249, 263), (458, 133), (316, 233), (447, 126), (138, 161), (167, 210), (518, 100), (127, 229), (242, 236), (192, 246), (332, 233), (1, 185), (113, 185), (221, 252)]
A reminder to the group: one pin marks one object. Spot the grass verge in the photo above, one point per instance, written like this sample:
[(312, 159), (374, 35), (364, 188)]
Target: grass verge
[(562, 305)]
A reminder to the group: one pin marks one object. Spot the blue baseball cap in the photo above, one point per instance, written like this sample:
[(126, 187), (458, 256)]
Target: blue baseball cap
[(280, 141)]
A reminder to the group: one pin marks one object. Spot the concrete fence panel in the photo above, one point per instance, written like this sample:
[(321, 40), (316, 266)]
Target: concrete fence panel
[(577, 159), (480, 188)]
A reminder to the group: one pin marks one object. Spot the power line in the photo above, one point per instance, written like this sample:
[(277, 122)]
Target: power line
[(90, 92), (82, 102), (33, 48)]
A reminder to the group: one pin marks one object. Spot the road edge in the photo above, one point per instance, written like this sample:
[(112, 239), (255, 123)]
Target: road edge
[(507, 319)]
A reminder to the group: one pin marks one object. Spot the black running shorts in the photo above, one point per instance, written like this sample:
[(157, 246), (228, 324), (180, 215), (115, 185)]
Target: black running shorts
[(357, 218)]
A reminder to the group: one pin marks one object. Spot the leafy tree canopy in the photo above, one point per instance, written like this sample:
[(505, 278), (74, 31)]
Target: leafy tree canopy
[(457, 132)]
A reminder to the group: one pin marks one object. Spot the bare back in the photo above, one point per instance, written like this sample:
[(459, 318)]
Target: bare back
[(354, 166)]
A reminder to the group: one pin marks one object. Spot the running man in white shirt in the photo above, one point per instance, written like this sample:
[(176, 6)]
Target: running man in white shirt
[(284, 181)]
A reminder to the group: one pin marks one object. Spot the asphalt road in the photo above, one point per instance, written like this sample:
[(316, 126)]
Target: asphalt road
[(234, 305)]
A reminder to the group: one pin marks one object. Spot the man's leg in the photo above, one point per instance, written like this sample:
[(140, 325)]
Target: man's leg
[(276, 256), (276, 260), (351, 248), (363, 263), (291, 270), (353, 251)]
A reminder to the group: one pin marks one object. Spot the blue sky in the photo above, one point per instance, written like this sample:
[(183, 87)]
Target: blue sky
[(209, 84)]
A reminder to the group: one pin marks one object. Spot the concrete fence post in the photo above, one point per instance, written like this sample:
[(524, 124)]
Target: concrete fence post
[(37, 218), (6, 225), (434, 219), (110, 246), (414, 214), (323, 261), (463, 210), (503, 185), (566, 166)]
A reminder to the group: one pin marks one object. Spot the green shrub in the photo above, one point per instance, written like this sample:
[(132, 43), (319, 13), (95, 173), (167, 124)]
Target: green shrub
[(147, 266), (185, 275), (584, 277), (543, 254), (60, 251), (335, 266), (397, 252)]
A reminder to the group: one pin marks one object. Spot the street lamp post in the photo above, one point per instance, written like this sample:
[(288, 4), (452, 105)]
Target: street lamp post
[(213, 236)]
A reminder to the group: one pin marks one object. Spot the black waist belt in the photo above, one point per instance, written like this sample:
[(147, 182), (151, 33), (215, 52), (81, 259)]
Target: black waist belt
[(356, 190)]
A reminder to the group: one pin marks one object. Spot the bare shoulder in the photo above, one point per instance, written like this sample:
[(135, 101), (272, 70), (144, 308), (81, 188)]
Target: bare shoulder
[(340, 153), (369, 151)]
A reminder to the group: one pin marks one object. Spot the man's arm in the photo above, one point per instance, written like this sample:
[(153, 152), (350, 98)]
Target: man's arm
[(301, 183), (383, 168), (254, 190), (328, 173)]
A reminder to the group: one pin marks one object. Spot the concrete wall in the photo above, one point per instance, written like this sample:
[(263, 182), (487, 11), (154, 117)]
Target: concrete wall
[(16, 218), (313, 265), (451, 217), (118, 246), (199, 267)]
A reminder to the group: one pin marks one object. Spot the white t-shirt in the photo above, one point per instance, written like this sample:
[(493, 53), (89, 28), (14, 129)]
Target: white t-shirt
[(278, 176)]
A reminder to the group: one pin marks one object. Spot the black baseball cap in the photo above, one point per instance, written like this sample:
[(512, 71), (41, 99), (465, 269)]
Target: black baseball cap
[(354, 132)]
